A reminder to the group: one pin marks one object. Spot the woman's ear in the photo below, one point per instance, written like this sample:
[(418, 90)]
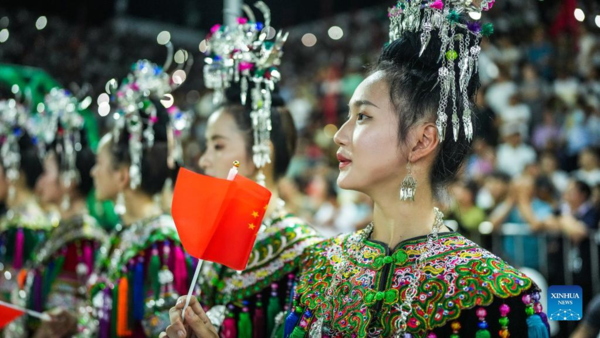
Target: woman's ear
[(122, 177), (426, 141)]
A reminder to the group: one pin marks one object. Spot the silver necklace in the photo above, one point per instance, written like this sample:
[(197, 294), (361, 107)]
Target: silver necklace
[(405, 308)]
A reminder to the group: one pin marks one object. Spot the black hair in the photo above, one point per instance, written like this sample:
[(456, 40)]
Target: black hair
[(154, 165), (501, 176), (31, 164), (415, 94), (283, 130), (84, 161), (583, 188)]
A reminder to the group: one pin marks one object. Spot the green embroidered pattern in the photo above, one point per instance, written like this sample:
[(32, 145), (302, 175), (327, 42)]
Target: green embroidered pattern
[(458, 276), (276, 253)]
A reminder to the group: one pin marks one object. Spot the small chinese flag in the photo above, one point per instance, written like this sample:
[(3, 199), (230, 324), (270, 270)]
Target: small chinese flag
[(218, 220), (8, 314)]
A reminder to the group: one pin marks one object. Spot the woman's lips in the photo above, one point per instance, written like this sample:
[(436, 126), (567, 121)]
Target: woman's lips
[(344, 161)]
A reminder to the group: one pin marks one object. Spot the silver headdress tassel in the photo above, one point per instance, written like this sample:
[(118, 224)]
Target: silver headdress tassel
[(456, 35), (60, 121), (133, 101), (247, 53), (13, 122)]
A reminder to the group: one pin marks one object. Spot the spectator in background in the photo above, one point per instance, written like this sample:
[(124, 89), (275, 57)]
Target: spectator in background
[(533, 91), (589, 164), (590, 325), (485, 120), (578, 205), (549, 168), (495, 192), (481, 162), (566, 87), (513, 155), (539, 52), (464, 210), (499, 92), (546, 134), (575, 133), (516, 113)]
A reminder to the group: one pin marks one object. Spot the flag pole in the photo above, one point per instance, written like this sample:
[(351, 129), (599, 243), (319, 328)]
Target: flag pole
[(39, 315), (230, 177)]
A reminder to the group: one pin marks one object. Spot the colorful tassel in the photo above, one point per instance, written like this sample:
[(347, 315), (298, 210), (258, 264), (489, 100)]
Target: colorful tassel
[(274, 308), (180, 273), (229, 329), (483, 331), (138, 291), (123, 308), (298, 333), (104, 325), (113, 313), (153, 270), (503, 321), (455, 325), (258, 321), (244, 324), (291, 321), (536, 327), (19, 245), (88, 257), (36, 299)]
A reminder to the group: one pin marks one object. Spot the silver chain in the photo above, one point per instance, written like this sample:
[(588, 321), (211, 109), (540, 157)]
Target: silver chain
[(405, 309)]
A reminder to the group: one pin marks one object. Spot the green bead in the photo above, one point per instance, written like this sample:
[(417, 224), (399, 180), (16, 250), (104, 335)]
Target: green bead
[(503, 321), (298, 309), (388, 260), (370, 298), (269, 44), (453, 16), (483, 334), (529, 311), (378, 263), (454, 335), (451, 55), (379, 295), (391, 296), (298, 332)]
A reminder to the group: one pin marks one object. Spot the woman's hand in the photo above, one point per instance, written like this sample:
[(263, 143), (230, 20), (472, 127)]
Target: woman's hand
[(195, 325), (62, 324)]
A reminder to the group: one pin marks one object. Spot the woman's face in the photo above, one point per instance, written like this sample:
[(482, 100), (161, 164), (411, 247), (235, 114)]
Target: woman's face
[(48, 185), (107, 178), (3, 185), (225, 143), (368, 141)]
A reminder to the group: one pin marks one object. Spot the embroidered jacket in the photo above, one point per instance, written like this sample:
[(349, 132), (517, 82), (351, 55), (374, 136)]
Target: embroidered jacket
[(140, 272), (463, 290), (259, 293)]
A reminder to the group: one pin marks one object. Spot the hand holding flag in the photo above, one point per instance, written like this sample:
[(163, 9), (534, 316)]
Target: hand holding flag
[(10, 312)]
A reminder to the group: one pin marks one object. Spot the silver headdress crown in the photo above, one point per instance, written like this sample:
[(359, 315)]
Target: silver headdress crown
[(247, 53), (456, 35), (13, 123), (133, 100), (60, 121)]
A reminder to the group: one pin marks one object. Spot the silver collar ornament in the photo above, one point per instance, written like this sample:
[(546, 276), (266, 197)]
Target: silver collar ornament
[(246, 54), (460, 47), (13, 123)]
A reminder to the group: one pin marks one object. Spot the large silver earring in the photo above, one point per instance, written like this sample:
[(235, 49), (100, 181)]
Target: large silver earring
[(120, 205), (408, 189)]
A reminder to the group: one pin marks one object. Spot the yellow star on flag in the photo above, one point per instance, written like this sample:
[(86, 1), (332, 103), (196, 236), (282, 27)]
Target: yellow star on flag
[(255, 214), (251, 226), (266, 206)]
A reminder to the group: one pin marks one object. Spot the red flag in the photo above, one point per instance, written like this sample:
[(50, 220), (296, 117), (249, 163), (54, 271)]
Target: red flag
[(8, 314), (218, 220)]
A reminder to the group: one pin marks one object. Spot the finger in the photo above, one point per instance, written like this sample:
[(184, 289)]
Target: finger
[(175, 315), (163, 335), (173, 331), (199, 326), (182, 300)]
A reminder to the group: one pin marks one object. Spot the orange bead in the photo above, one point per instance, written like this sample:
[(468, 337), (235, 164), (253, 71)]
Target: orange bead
[(455, 326), (504, 333)]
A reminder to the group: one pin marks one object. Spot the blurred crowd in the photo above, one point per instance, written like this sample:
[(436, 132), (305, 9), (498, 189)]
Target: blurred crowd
[(535, 163)]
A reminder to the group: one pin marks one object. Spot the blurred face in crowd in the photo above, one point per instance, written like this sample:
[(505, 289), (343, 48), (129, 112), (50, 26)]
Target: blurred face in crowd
[(48, 186), (368, 141), (573, 196), (225, 143), (3, 185), (588, 160), (109, 179), (548, 164), (497, 188)]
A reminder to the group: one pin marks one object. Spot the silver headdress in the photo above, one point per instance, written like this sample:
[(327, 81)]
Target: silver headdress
[(459, 46), (134, 104), (61, 123), (246, 54), (13, 122)]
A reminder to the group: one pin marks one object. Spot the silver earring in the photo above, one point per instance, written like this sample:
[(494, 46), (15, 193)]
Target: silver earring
[(65, 204), (408, 189), (120, 205)]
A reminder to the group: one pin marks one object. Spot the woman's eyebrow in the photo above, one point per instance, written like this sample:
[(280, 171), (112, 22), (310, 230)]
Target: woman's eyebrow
[(359, 103)]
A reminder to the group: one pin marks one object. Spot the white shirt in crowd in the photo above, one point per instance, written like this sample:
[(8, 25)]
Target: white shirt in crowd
[(512, 160)]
